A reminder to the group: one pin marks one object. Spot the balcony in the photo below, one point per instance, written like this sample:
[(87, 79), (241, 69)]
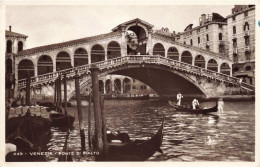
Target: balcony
[(246, 33)]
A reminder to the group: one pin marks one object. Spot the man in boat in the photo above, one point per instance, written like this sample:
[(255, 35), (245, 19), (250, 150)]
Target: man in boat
[(195, 104), (220, 105), (179, 97)]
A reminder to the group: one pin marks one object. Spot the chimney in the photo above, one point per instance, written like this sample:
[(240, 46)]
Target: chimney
[(203, 19), (10, 28)]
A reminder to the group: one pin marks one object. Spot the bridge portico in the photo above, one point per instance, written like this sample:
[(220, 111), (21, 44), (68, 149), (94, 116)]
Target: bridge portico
[(109, 50)]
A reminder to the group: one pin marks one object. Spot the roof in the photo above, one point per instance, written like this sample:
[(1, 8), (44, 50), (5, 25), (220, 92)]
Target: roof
[(137, 20), (171, 39), (14, 34), (242, 11), (67, 43)]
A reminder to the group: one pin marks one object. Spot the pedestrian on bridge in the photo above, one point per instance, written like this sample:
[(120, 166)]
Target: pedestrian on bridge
[(179, 97)]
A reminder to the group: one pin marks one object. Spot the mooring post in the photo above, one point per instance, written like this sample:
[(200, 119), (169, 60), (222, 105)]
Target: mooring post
[(80, 115), (103, 122), (97, 113), (60, 94), (65, 93), (55, 94), (28, 90), (89, 120)]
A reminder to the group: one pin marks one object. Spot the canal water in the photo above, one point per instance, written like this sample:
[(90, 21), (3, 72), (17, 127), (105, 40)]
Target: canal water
[(228, 136)]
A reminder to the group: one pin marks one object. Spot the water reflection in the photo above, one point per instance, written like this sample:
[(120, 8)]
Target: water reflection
[(228, 136)]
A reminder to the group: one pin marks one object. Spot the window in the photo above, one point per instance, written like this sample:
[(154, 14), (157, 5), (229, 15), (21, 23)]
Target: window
[(235, 58), (9, 46), (198, 39), (20, 46), (234, 43), (234, 18), (207, 27), (247, 40), (190, 41), (207, 47), (246, 26), (234, 30), (184, 42), (247, 55), (246, 13), (207, 36), (221, 48), (220, 36)]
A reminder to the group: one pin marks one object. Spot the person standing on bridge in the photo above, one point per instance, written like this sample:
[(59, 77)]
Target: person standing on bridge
[(195, 104), (179, 97)]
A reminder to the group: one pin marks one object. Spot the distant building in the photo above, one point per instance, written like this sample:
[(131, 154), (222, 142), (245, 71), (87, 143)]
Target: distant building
[(211, 34), (241, 37)]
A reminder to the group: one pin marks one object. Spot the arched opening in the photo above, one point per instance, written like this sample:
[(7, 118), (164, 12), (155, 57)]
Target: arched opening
[(108, 86), (212, 65), (63, 61), (126, 85), (220, 36), (20, 46), (9, 66), (186, 57), (25, 68), (198, 40), (101, 86), (136, 40), (191, 42), (234, 30), (246, 26), (45, 65), (97, 53), (207, 37), (113, 50), (117, 86), (173, 53), (80, 57), (9, 46), (199, 61), (158, 49), (225, 69)]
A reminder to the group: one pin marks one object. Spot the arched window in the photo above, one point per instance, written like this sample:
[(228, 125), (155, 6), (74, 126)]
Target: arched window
[(246, 26), (20, 46), (234, 30), (207, 36), (97, 53), (9, 46), (25, 68), (190, 41), (158, 49), (220, 36), (45, 65), (63, 61), (80, 57), (113, 50), (198, 39)]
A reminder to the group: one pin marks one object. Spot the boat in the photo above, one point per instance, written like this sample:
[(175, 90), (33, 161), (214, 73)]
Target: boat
[(137, 150), (61, 120), (194, 111)]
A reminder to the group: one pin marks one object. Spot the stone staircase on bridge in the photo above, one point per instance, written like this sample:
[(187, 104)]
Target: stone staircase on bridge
[(137, 59)]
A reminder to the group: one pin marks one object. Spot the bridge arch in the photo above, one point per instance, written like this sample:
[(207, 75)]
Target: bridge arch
[(44, 64), (80, 57), (186, 57), (108, 86), (158, 49), (97, 53), (113, 50), (25, 67), (225, 69), (212, 65), (63, 60), (173, 53), (200, 61)]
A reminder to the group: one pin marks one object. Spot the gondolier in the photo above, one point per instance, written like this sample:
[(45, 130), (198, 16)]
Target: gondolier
[(179, 97), (195, 104)]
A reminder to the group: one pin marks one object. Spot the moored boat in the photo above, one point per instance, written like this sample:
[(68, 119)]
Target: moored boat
[(137, 150), (194, 111), (61, 120)]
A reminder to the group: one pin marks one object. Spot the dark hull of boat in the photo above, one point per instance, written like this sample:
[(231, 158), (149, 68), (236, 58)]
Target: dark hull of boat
[(196, 111), (61, 120), (138, 150)]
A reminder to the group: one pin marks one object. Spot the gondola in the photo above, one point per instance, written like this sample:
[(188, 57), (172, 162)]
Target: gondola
[(137, 150), (61, 120), (194, 111)]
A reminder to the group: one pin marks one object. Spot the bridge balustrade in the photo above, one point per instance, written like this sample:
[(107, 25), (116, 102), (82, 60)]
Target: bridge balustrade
[(133, 59)]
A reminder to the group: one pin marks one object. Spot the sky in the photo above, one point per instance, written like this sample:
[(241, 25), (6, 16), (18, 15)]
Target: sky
[(46, 25)]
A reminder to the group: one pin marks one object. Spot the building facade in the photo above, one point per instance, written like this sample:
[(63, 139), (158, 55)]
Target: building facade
[(241, 38)]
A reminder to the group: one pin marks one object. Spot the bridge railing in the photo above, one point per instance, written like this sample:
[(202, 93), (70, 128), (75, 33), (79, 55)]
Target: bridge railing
[(134, 59)]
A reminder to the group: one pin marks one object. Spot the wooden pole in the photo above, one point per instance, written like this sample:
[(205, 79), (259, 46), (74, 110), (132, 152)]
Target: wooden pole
[(97, 113), (103, 121), (55, 94), (28, 90), (60, 102), (89, 120), (80, 115), (58, 95), (65, 93)]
